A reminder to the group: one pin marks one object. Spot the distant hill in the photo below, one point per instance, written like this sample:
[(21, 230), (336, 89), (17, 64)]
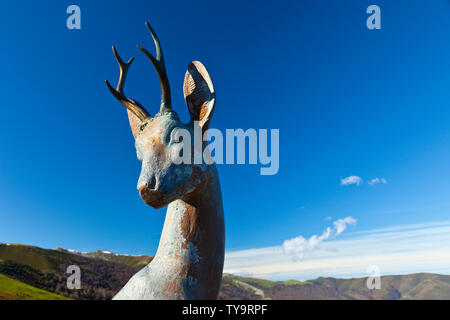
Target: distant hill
[(137, 262), (418, 286), (28, 272)]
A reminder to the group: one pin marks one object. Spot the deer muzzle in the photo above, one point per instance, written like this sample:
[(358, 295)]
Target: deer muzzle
[(153, 198)]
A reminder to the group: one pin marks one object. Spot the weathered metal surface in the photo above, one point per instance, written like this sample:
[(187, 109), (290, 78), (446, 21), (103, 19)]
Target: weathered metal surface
[(189, 260)]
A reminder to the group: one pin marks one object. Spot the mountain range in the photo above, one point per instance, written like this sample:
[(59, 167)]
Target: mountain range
[(29, 272)]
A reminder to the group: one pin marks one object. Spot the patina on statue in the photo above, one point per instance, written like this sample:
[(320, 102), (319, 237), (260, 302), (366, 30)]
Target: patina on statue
[(190, 256)]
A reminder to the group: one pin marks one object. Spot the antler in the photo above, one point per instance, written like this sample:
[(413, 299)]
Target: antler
[(129, 103), (160, 67)]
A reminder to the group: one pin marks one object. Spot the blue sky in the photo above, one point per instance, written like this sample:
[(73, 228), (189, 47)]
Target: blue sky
[(348, 102)]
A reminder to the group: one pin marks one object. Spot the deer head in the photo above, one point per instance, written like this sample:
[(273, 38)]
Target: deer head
[(161, 180)]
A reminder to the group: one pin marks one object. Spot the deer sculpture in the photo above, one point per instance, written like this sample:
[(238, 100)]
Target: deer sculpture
[(189, 261)]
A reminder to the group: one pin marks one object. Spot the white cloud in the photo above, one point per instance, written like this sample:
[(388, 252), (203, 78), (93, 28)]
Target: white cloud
[(377, 180), (403, 249), (351, 180), (341, 224), (298, 247), (242, 273)]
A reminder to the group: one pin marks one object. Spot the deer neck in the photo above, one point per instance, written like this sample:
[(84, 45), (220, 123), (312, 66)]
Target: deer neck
[(192, 242)]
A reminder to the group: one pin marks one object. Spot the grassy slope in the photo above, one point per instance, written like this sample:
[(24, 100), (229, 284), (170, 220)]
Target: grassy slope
[(32, 256), (11, 289), (47, 270)]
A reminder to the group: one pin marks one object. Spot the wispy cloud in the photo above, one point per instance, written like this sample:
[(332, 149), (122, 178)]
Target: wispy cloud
[(377, 180), (351, 180), (402, 249), (298, 247), (238, 272)]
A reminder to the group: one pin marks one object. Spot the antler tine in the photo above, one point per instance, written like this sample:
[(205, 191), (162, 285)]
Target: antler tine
[(123, 66), (160, 67), (130, 104)]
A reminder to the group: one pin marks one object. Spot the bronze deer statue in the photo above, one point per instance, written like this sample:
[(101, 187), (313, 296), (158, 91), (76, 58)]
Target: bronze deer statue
[(189, 261)]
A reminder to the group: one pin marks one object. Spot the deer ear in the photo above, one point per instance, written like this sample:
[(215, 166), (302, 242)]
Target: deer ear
[(199, 93), (135, 123)]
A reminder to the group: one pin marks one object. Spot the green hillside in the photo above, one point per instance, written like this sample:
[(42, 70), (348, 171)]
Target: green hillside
[(41, 259), (47, 270), (11, 289)]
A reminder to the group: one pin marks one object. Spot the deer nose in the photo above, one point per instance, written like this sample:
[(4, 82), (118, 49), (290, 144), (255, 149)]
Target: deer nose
[(150, 195), (149, 185)]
